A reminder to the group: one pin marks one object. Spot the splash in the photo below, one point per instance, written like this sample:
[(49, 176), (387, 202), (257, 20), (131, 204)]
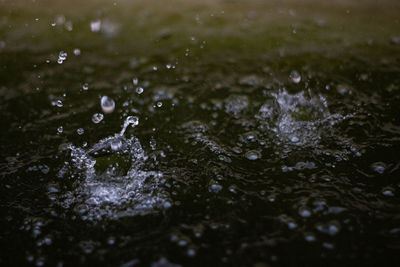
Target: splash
[(112, 179)]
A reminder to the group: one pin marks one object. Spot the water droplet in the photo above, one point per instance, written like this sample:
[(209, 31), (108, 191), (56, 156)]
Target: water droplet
[(132, 120), (61, 57), (295, 76), (139, 90), (304, 213), (135, 81), (215, 188), (379, 167), (253, 155), (294, 139), (59, 103), (60, 129), (95, 26), (129, 120), (116, 145), (85, 86), (97, 117), (80, 131), (77, 51), (107, 104), (388, 192), (159, 104)]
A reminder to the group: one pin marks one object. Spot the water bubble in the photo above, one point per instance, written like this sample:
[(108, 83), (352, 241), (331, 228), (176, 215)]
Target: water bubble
[(107, 104), (97, 117), (253, 155), (60, 129), (295, 76), (85, 86), (95, 26), (80, 131), (379, 167), (77, 51), (139, 90)]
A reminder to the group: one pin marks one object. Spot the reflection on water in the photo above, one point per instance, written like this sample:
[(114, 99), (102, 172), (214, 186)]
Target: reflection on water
[(213, 133)]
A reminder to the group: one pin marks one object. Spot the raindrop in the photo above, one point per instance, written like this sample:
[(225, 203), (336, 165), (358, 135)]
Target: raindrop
[(107, 104), (253, 155), (97, 117), (295, 76)]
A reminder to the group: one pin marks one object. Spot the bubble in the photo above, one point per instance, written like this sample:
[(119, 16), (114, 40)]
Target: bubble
[(139, 90), (295, 76), (253, 155), (97, 117), (80, 131), (85, 86), (60, 129), (107, 104), (378, 167)]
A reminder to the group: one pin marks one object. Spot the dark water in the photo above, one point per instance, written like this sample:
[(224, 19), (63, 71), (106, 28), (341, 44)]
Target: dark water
[(267, 134)]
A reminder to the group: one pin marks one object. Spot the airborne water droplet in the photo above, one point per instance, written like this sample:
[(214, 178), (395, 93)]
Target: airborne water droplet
[(139, 90), (295, 76), (85, 86), (97, 117), (60, 129), (80, 131), (107, 104)]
